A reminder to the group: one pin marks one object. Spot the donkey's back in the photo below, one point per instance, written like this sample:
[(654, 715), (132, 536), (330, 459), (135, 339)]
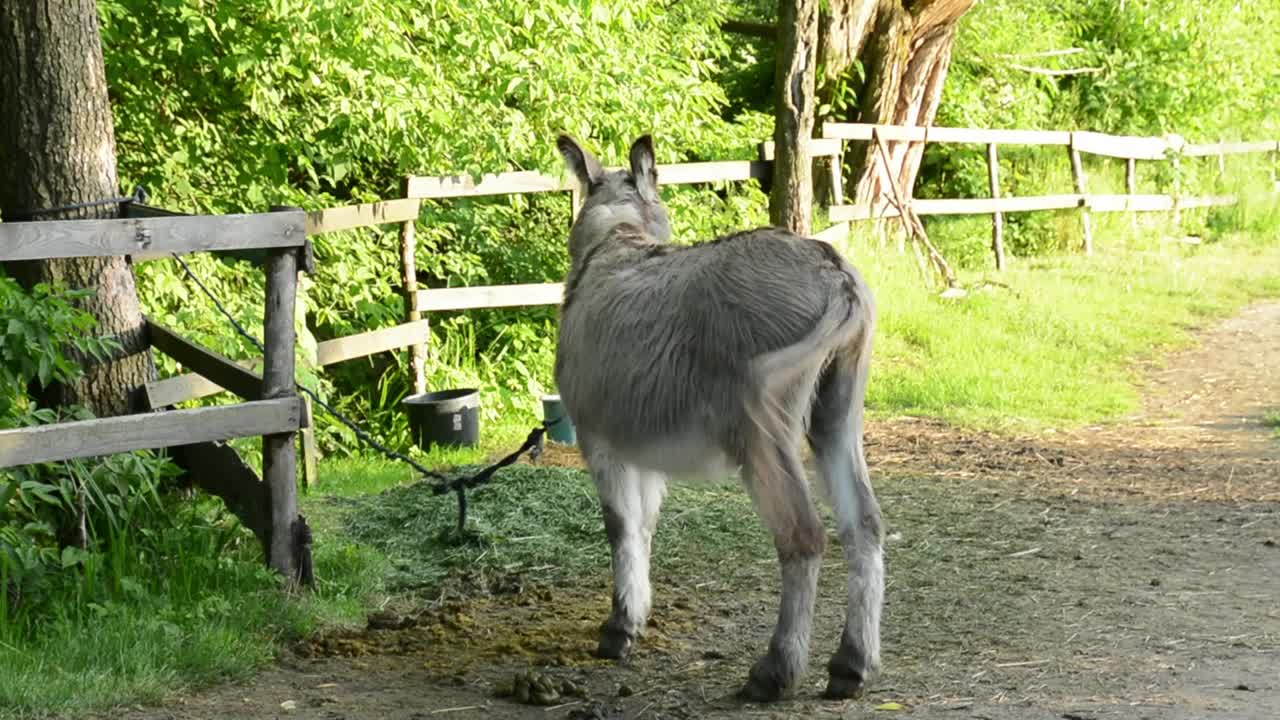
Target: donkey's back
[(697, 360), (664, 348)]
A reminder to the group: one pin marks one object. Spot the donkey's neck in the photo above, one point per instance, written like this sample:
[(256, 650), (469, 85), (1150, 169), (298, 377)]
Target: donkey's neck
[(618, 242)]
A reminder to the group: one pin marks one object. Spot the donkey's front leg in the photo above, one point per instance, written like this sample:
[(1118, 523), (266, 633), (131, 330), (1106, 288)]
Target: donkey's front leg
[(630, 499), (782, 498)]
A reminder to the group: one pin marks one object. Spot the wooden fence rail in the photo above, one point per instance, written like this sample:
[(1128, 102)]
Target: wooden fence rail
[(1125, 147), (132, 236), (273, 409), (87, 438)]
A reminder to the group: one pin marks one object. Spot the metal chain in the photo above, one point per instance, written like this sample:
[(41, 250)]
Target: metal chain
[(139, 195), (533, 444)]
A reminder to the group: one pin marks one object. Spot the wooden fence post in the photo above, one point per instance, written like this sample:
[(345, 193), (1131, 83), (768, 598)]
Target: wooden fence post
[(1131, 187), (1081, 185), (279, 451), (997, 217), (409, 285)]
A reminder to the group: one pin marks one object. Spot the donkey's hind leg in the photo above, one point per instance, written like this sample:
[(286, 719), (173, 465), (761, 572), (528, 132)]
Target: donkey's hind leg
[(835, 433), (775, 480), (630, 499)]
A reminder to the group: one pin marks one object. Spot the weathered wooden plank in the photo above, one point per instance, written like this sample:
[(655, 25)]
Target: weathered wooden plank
[(1130, 203), (307, 441), (818, 147), (986, 206), (1209, 201), (365, 215), (961, 206), (372, 342), (205, 362), (453, 186), (180, 388), (131, 236), (1231, 148), (491, 296), (86, 438), (279, 451), (838, 232), (982, 136), (703, 172), (1120, 146), (901, 133), (534, 182), (858, 213)]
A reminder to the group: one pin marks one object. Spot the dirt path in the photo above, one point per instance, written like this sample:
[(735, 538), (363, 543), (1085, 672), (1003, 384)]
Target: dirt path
[(1121, 571)]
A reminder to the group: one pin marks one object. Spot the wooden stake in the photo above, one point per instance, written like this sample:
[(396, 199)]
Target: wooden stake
[(310, 453), (997, 217), (1131, 186), (409, 286), (911, 224), (1081, 185)]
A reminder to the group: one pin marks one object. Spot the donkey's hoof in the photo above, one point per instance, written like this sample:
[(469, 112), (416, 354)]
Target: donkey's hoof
[(614, 644), (845, 687), (848, 677), (770, 680)]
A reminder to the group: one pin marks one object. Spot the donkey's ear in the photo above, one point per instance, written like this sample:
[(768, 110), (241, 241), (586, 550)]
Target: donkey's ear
[(643, 166), (583, 164)]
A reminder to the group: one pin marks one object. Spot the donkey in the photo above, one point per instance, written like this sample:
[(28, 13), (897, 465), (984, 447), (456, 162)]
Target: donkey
[(701, 361)]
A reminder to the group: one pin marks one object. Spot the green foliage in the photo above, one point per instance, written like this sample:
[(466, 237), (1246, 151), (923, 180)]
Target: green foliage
[(41, 332), (241, 104)]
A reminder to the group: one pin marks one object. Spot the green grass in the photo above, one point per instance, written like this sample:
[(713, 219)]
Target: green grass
[(1058, 346), (173, 608), (543, 522), (1272, 420)]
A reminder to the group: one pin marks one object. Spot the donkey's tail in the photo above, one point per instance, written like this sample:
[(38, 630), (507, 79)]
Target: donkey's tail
[(840, 334), (847, 320)]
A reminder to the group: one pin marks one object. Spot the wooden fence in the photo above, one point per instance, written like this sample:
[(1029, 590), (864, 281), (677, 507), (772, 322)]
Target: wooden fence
[(1129, 148), (405, 212), (271, 408)]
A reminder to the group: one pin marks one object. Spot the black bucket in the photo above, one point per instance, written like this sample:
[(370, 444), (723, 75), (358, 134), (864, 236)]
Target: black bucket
[(445, 418)]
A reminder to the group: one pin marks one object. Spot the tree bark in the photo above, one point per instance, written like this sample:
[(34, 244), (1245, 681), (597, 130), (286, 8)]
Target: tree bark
[(791, 198), (57, 146), (904, 48)]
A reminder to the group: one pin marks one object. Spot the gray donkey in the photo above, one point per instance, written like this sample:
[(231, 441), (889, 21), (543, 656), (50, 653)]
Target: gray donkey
[(698, 361)]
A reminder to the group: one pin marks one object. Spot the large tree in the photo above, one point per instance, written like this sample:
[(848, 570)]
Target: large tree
[(791, 198), (903, 48), (57, 148)]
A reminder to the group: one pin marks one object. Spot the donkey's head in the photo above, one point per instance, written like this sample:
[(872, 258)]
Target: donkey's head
[(626, 196)]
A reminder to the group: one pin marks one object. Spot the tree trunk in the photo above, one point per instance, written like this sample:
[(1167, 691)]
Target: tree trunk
[(57, 146), (904, 48), (791, 198)]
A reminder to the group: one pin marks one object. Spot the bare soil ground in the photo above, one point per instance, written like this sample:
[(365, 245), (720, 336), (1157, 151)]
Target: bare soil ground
[(1123, 571)]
